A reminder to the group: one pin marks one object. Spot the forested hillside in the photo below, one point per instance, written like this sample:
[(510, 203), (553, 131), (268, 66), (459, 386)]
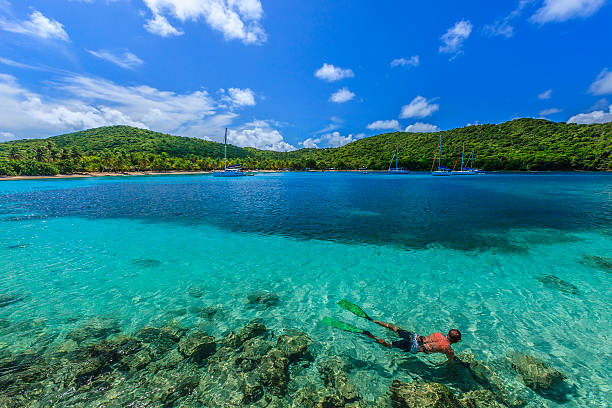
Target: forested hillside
[(522, 144)]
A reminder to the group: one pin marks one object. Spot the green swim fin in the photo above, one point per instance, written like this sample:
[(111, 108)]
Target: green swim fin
[(353, 308), (341, 325)]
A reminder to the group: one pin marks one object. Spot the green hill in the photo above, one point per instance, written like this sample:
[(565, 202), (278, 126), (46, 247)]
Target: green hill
[(522, 144)]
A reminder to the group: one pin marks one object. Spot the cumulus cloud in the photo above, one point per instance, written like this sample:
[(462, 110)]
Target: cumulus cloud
[(123, 59), (420, 127), (563, 10), (598, 116), (159, 25), (603, 83), (85, 102), (235, 19), (419, 108), (550, 111), (331, 73), (237, 97), (261, 135), (413, 61), (546, 94), (455, 36), (333, 139), (342, 95), (383, 124), (37, 26)]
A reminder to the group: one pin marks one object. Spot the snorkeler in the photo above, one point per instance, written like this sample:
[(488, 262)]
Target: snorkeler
[(410, 342)]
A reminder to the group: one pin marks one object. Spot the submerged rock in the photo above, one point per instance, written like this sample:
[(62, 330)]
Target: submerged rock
[(480, 399), (208, 312), (598, 262), (262, 299), (553, 282), (333, 373), (294, 345), (419, 394), (253, 329), (536, 374), (197, 346), (273, 372), (10, 298), (145, 263), (195, 292), (96, 328)]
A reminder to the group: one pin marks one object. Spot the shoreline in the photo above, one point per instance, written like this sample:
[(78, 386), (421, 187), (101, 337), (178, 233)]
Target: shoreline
[(174, 173)]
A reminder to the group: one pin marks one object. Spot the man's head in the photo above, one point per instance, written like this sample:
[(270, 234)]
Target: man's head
[(454, 336)]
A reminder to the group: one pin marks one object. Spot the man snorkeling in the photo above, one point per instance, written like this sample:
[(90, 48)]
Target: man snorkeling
[(410, 342), (414, 343)]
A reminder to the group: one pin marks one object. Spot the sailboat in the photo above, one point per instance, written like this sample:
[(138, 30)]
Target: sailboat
[(465, 171), (397, 170), (229, 171), (442, 171), (471, 168)]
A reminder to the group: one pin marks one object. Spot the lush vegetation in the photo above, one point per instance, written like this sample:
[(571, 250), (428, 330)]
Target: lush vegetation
[(522, 144)]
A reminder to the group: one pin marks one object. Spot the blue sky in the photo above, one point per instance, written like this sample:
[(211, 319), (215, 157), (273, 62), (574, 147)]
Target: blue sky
[(284, 75)]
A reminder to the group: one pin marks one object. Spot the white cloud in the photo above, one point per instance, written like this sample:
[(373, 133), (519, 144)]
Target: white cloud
[(455, 36), (333, 139), (598, 116), (342, 95), (124, 59), (503, 27), (159, 25), (92, 102), (563, 10), (383, 124), (419, 108), (261, 135), (603, 84), (420, 127), (331, 73), (413, 61), (240, 97), (38, 26), (6, 136), (546, 94), (499, 28), (550, 111), (236, 19)]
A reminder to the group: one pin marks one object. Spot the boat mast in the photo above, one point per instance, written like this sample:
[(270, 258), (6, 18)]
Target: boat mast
[(462, 151), (396, 154), (225, 154), (440, 151)]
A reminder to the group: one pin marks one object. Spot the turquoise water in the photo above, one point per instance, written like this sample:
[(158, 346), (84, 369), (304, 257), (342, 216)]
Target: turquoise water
[(429, 254)]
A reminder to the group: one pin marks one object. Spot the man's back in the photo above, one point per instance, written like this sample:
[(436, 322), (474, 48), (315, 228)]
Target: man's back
[(438, 343)]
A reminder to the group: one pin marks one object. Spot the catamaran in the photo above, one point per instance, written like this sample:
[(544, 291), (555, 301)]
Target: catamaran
[(397, 170), (229, 171), (442, 171), (465, 171)]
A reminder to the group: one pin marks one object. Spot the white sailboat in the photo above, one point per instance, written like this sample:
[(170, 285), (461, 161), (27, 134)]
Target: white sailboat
[(442, 171), (229, 171), (397, 170), (465, 171)]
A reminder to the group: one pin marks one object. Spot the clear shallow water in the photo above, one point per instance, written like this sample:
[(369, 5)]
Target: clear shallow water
[(426, 253)]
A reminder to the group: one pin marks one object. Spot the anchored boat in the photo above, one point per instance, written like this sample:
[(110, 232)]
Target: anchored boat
[(465, 171), (397, 170), (229, 171), (442, 171)]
